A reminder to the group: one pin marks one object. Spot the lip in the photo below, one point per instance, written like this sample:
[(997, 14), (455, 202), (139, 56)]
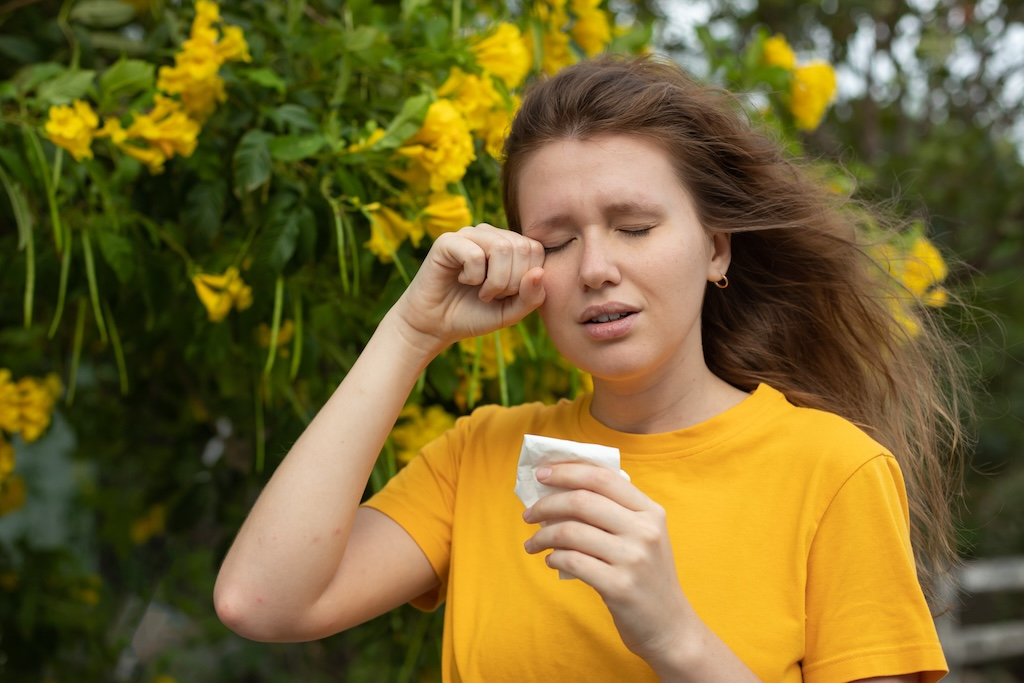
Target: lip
[(610, 308)]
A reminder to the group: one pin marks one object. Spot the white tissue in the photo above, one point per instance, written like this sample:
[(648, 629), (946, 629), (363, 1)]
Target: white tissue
[(541, 451)]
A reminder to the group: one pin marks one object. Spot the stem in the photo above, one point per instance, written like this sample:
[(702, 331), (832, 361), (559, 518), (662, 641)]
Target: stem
[(293, 371), (94, 292), (115, 341), (65, 269), (275, 325), (76, 352), (502, 379)]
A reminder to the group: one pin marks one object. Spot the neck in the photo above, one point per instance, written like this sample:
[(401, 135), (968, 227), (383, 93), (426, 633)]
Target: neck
[(662, 406)]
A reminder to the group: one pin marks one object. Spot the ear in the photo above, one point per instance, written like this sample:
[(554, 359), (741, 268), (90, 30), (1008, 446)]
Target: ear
[(720, 250)]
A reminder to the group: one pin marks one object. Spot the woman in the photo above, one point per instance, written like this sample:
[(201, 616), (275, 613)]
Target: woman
[(735, 332)]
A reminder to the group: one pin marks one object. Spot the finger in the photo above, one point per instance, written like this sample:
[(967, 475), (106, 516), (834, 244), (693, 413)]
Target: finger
[(572, 535), (500, 258), (457, 251), (527, 254), (531, 296), (586, 568), (608, 483), (583, 505)]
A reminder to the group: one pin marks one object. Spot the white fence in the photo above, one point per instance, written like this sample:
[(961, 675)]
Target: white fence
[(982, 643)]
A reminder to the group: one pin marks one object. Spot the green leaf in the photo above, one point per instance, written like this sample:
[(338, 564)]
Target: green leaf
[(292, 116), (204, 206), (102, 13), (360, 38), (70, 85), (296, 147), (19, 49), (410, 7), (267, 78), (118, 253), (28, 78), (125, 78), (276, 245), (251, 162), (406, 123)]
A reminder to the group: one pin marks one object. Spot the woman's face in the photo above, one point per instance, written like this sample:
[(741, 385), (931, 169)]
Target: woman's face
[(627, 261)]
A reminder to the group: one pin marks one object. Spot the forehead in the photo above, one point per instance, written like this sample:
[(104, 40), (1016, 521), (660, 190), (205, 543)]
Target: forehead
[(615, 174)]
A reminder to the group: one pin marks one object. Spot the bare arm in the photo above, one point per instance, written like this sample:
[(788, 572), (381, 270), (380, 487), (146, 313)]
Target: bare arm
[(305, 563)]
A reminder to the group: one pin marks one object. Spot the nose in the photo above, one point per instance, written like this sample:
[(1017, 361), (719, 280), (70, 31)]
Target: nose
[(598, 263)]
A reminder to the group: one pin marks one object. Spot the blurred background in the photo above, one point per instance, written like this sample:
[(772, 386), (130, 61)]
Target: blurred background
[(207, 207)]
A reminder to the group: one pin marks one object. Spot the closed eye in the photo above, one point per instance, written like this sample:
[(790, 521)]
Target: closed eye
[(637, 231), (556, 248)]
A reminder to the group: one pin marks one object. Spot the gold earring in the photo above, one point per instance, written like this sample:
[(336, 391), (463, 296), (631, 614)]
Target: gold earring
[(723, 283)]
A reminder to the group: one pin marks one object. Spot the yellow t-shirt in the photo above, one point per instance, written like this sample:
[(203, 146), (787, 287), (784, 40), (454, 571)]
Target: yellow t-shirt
[(789, 528)]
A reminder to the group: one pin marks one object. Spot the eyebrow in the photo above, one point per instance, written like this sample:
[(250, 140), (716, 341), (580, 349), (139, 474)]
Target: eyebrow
[(613, 210)]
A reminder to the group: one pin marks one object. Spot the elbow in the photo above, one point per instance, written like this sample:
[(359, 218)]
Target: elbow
[(243, 612)]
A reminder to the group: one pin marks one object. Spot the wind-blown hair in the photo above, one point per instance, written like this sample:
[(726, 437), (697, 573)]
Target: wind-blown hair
[(807, 311)]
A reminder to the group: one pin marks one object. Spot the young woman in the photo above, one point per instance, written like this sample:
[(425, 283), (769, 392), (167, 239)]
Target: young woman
[(766, 401)]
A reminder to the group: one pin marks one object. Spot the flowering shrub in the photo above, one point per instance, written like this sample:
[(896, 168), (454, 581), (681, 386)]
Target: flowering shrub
[(214, 206)]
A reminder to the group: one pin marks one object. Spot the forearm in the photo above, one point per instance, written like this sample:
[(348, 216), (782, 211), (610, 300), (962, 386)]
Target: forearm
[(290, 546), (702, 658)]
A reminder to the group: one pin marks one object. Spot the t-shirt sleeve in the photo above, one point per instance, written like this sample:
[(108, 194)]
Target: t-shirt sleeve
[(421, 499), (866, 613)]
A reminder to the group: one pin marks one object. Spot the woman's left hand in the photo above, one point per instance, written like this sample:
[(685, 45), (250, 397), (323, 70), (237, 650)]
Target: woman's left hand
[(609, 534)]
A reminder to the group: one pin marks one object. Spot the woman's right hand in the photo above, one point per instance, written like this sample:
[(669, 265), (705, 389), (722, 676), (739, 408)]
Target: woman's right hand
[(473, 282)]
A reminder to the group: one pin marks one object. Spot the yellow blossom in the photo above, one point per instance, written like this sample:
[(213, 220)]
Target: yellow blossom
[(813, 88), (112, 129), (443, 146), (6, 458), (418, 427), (10, 403), (284, 334), (152, 157), (592, 31), (151, 524), (472, 95), (167, 127), (388, 229), (194, 74), (371, 140), (496, 127), (557, 54), (777, 52), (923, 271), (489, 350), (445, 213), (504, 54), (12, 494), (219, 293), (37, 398), (73, 128)]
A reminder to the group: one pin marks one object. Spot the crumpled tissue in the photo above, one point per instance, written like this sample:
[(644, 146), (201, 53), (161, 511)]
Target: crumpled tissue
[(542, 451)]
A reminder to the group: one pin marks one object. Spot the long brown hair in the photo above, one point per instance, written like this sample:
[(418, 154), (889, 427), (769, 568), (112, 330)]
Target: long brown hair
[(808, 311)]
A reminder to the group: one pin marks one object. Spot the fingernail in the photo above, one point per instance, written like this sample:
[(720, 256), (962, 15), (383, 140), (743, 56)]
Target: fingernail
[(526, 514), (543, 473)]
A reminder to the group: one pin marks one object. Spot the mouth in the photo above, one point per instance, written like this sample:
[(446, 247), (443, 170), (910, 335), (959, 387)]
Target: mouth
[(606, 313), (606, 318)]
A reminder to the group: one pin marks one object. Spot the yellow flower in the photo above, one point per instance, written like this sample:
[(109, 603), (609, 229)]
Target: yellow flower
[(443, 147), (489, 351), (814, 87), (151, 524), (10, 403), (37, 398), (388, 230), (6, 458), (496, 128), (417, 428), (152, 157), (557, 54), (445, 213), (777, 52), (284, 334), (12, 494), (371, 140), (923, 270), (73, 128), (232, 46), (592, 31), (167, 127), (472, 96), (504, 54), (194, 74), (219, 293), (112, 129)]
